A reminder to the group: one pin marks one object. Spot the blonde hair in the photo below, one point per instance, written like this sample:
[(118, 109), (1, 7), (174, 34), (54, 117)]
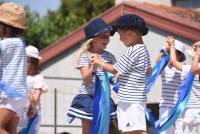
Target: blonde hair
[(85, 47)]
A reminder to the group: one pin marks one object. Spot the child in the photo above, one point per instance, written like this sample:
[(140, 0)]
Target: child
[(36, 81), (97, 35), (171, 81), (133, 67), (13, 65), (189, 121)]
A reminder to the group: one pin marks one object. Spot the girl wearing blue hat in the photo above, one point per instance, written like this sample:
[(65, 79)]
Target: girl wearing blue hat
[(189, 121), (171, 82), (97, 35), (133, 67)]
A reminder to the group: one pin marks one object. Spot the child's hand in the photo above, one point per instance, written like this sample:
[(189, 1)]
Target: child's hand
[(31, 111), (167, 47), (198, 51), (196, 45), (95, 59), (171, 41)]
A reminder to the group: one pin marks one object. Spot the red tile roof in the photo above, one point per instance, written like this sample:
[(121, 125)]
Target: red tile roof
[(182, 22)]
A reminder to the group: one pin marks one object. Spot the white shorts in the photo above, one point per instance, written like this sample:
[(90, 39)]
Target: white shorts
[(189, 122), (16, 105), (131, 117), (163, 112)]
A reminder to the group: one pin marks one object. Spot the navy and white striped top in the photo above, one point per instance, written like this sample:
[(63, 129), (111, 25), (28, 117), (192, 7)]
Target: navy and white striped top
[(171, 82), (132, 68), (13, 64), (194, 100), (84, 61)]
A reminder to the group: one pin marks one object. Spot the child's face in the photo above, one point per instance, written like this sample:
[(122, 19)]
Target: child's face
[(101, 41), (123, 36), (127, 36)]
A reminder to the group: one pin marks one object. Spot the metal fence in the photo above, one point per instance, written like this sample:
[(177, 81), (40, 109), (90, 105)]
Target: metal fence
[(56, 126)]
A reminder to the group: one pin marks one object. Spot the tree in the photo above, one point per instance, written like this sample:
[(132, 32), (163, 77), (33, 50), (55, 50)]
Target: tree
[(70, 15)]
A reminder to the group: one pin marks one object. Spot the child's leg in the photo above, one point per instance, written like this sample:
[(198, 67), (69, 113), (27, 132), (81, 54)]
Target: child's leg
[(115, 126), (12, 125), (86, 125), (5, 117)]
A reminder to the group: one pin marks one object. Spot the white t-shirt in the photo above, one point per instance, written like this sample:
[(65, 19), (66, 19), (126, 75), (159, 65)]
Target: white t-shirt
[(171, 82), (37, 82), (194, 100)]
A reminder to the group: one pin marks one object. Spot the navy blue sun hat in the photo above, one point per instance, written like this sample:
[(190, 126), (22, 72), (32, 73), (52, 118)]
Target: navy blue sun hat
[(131, 21), (95, 27)]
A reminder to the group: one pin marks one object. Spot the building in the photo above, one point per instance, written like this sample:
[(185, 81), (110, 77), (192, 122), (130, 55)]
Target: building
[(60, 57)]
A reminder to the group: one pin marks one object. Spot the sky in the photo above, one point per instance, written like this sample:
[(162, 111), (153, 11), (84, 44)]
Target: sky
[(40, 6)]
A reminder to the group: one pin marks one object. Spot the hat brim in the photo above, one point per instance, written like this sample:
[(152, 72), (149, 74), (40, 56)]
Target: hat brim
[(107, 29), (12, 24), (143, 30)]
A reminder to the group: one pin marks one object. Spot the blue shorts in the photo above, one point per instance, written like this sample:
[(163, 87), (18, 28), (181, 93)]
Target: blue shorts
[(82, 107)]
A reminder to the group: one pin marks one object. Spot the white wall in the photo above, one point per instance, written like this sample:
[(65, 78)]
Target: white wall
[(60, 74)]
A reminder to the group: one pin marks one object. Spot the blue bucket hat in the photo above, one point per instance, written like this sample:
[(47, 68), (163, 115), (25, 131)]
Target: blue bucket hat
[(131, 21), (95, 27)]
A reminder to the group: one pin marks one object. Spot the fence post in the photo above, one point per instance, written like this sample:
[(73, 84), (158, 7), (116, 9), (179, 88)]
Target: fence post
[(55, 112)]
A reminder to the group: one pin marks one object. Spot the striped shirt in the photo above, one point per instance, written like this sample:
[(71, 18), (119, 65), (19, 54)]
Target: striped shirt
[(132, 68), (171, 81), (194, 100), (13, 64), (84, 61)]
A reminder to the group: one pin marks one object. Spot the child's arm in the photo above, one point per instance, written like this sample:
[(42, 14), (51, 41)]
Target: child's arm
[(86, 72), (173, 58), (108, 67), (166, 49), (195, 62)]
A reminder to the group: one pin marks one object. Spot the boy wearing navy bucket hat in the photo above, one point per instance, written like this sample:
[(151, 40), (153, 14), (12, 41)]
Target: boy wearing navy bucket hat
[(97, 34), (133, 68)]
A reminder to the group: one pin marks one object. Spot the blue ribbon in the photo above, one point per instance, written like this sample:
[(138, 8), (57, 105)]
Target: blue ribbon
[(157, 70), (32, 125), (10, 91), (101, 106), (184, 93)]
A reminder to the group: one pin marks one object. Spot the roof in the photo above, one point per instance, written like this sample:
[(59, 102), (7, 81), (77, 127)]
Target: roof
[(179, 21)]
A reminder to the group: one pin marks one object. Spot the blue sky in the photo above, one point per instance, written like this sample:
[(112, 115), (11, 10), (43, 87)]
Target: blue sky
[(40, 6)]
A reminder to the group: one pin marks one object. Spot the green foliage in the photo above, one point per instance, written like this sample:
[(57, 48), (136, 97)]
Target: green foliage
[(56, 24)]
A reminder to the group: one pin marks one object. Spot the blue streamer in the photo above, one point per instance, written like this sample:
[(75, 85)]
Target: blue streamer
[(101, 105), (166, 122), (10, 91), (96, 113), (105, 106), (32, 125), (185, 91), (157, 70), (116, 87)]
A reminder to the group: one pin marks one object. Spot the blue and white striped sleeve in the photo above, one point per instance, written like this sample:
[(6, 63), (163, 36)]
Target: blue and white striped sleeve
[(124, 64), (83, 61)]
